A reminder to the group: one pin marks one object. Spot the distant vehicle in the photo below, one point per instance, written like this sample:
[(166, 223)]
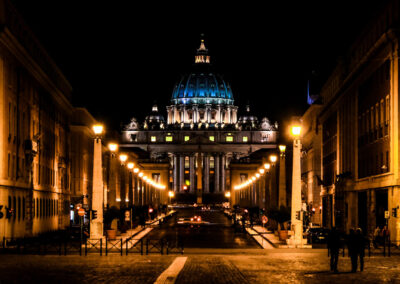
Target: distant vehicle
[(195, 220), (317, 235)]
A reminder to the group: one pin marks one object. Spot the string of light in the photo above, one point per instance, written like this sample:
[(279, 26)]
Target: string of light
[(261, 171)]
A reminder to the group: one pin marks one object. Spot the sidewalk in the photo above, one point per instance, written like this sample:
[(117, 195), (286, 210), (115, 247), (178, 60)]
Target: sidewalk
[(264, 237)]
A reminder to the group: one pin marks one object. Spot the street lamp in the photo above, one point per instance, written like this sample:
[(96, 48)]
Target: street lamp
[(131, 165), (123, 158), (297, 223), (282, 176), (273, 159), (96, 225)]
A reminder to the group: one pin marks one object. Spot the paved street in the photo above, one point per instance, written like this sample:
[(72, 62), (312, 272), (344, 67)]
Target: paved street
[(256, 266), (216, 233)]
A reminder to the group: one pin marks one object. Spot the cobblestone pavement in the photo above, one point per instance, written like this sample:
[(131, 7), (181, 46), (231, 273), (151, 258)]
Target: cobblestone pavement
[(277, 266)]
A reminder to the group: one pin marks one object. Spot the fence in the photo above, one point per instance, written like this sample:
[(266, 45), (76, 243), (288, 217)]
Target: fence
[(105, 246)]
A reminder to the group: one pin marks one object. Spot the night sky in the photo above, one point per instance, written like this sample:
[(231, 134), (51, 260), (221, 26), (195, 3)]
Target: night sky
[(121, 56)]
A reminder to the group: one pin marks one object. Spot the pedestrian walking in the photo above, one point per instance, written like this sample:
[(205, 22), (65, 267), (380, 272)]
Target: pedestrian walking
[(334, 246), (360, 242), (352, 247)]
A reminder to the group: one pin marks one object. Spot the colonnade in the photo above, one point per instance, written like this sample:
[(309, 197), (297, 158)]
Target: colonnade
[(206, 113), (213, 166), (262, 192)]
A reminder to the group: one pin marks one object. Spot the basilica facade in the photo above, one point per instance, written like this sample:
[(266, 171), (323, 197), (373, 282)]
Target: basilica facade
[(202, 132)]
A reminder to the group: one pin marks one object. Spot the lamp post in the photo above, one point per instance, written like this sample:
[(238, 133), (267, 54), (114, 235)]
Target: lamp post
[(96, 225), (296, 216), (111, 197), (122, 191), (282, 176)]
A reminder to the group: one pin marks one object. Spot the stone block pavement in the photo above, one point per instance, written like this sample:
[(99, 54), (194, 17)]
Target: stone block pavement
[(233, 266)]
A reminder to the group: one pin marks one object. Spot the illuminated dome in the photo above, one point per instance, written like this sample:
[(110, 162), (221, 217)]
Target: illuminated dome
[(202, 86)]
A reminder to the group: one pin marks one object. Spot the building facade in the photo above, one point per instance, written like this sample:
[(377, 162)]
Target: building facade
[(35, 112), (359, 138), (202, 134)]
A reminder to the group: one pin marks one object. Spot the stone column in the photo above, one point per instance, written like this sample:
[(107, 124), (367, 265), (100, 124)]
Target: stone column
[(195, 113), (234, 114), (297, 225), (229, 115), (136, 191), (174, 114), (217, 167), (218, 116), (145, 194), (282, 180), (208, 113), (223, 181), (97, 191), (185, 116), (181, 172), (192, 173), (130, 193), (175, 173), (206, 177), (140, 191), (199, 179)]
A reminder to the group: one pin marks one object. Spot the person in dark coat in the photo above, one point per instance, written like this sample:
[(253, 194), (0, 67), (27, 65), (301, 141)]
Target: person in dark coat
[(353, 251), (360, 241), (334, 246)]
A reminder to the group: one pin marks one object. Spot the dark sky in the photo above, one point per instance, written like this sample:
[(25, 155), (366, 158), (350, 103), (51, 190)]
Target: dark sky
[(120, 56)]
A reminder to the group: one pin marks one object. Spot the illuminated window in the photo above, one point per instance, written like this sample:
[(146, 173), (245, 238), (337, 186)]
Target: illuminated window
[(168, 138), (153, 139), (211, 138), (187, 138), (245, 139), (229, 138)]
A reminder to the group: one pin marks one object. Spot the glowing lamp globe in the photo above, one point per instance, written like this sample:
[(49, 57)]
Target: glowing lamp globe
[(273, 158), (296, 131), (123, 158), (112, 147), (98, 129)]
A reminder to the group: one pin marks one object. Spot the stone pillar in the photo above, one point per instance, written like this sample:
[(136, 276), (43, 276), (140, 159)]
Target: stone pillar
[(191, 173), (229, 115), (135, 189), (174, 114), (223, 174), (297, 225), (206, 177), (130, 193), (112, 191), (217, 167), (282, 180), (181, 172), (195, 113), (185, 116), (97, 191), (208, 113), (218, 116), (175, 173), (234, 114), (144, 186), (140, 191), (199, 179)]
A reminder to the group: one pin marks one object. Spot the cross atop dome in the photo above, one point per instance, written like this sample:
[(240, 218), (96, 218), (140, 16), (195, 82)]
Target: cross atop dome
[(202, 56)]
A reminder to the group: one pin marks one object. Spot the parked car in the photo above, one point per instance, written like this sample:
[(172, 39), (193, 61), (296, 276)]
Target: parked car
[(317, 235)]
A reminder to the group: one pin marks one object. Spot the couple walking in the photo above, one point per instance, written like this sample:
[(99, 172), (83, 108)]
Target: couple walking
[(355, 245)]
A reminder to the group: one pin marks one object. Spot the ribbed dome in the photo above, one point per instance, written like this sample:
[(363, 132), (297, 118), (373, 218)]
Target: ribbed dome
[(202, 88)]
